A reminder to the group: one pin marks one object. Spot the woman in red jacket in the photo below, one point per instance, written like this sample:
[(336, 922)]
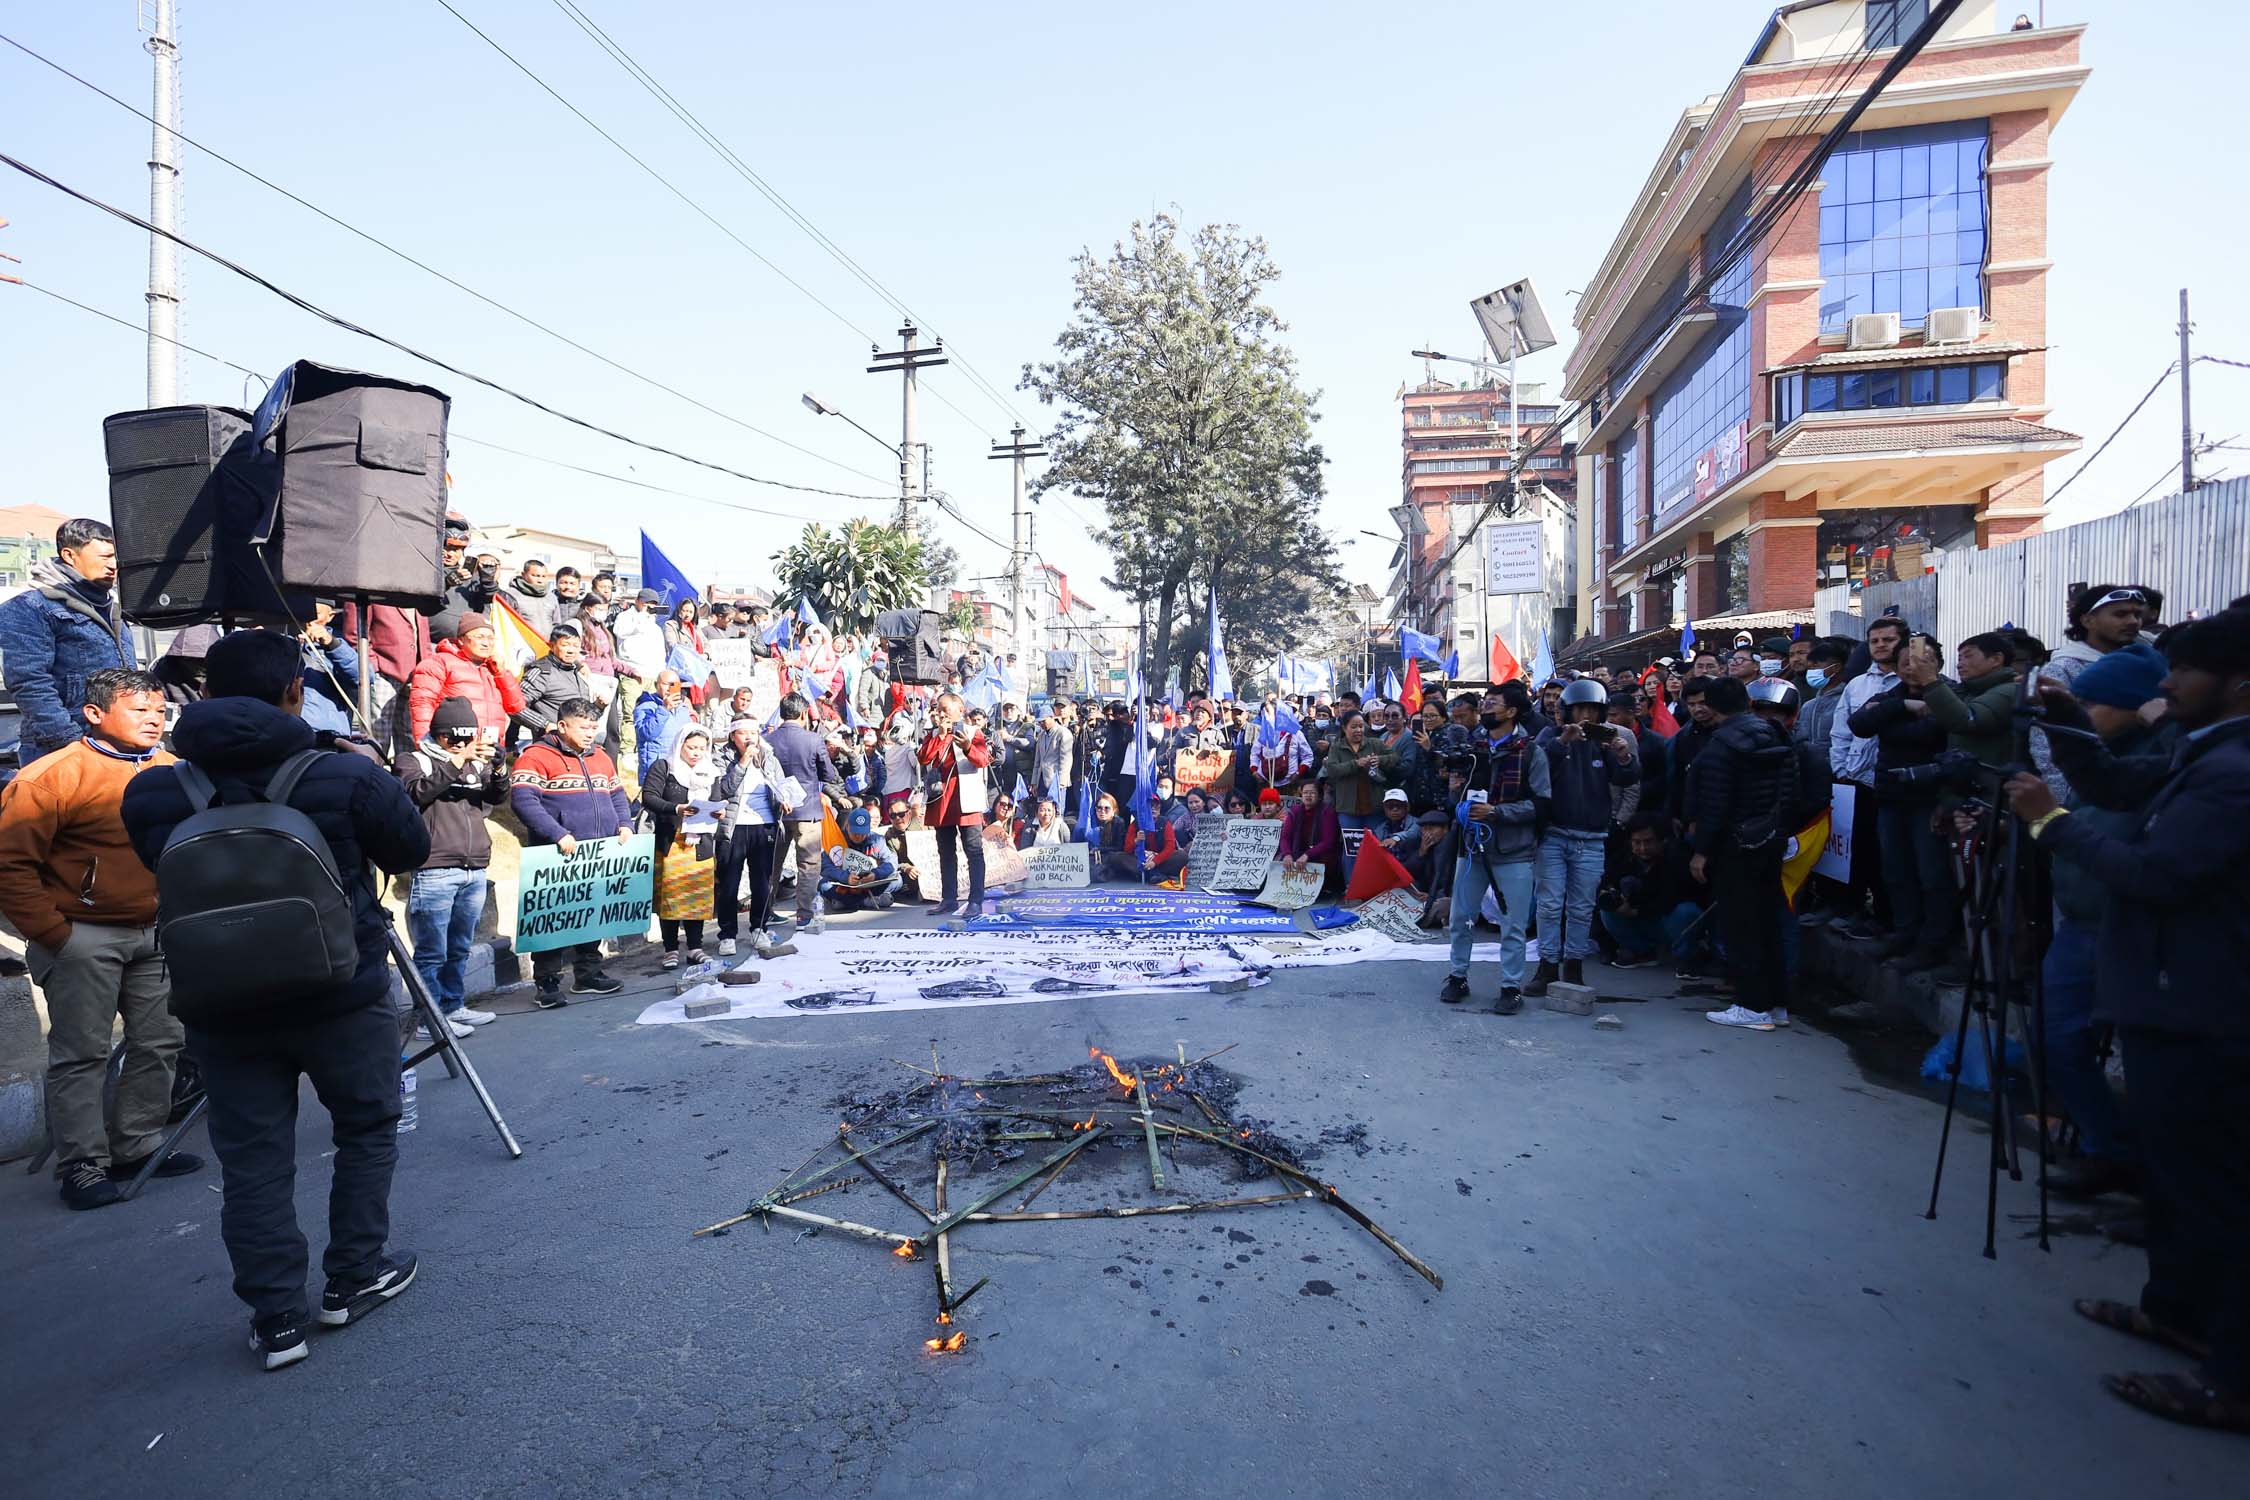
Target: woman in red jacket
[(467, 666), (953, 801)]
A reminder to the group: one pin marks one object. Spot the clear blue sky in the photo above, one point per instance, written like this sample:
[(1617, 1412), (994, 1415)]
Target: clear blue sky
[(1399, 162)]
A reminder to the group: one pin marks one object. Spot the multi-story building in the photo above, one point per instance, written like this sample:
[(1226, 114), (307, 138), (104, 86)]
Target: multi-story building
[(1455, 442), (1868, 382)]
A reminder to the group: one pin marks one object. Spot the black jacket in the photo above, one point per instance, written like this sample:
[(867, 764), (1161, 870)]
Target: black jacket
[(359, 807), (547, 686), (1902, 738), (1679, 758), (1745, 785), (2174, 950), (665, 795), (453, 800)]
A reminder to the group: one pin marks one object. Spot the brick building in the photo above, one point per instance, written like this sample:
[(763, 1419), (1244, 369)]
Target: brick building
[(1868, 383)]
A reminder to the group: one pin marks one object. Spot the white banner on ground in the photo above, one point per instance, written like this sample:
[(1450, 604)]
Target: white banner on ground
[(1203, 854), (1395, 914), (1004, 866), (1058, 867), (1835, 861)]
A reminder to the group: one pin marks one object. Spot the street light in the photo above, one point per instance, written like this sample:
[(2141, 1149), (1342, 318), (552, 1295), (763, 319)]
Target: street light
[(820, 408)]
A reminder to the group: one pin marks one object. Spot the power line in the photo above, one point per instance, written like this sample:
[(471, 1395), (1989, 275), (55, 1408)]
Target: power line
[(407, 349), (421, 265), (2154, 387)]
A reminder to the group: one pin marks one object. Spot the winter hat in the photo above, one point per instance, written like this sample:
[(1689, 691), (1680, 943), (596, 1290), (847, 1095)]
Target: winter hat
[(2125, 678), (1269, 798), (470, 622), (453, 713), (858, 824)]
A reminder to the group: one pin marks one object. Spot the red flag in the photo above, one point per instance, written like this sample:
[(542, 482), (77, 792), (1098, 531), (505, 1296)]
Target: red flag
[(1375, 871), (1505, 667), (1410, 696)]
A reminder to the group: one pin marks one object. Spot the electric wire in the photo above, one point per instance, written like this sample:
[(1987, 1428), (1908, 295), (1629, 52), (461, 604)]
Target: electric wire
[(349, 326), (379, 243), (2154, 387)]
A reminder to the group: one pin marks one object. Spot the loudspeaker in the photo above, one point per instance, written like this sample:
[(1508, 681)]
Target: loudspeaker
[(915, 642), (361, 506), (186, 493)]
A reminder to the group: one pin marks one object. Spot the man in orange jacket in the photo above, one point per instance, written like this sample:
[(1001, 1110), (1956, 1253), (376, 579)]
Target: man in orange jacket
[(86, 905)]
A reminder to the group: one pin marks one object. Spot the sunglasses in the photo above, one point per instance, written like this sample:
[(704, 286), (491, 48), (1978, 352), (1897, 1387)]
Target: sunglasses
[(2119, 596)]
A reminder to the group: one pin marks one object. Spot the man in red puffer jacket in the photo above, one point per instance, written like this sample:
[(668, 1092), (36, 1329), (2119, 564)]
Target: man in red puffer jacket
[(467, 666)]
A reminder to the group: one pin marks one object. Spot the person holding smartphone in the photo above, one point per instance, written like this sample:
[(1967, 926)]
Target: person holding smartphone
[(1505, 797), (451, 780), (1587, 759), (954, 757)]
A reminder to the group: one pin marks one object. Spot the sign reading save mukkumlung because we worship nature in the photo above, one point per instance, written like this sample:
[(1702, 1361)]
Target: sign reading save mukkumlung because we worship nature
[(602, 888)]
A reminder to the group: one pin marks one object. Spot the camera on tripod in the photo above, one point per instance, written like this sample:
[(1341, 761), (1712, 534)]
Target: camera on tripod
[(1951, 771)]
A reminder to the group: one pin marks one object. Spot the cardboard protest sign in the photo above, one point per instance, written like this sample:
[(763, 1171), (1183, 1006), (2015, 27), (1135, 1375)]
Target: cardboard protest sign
[(602, 888), (1250, 846), (737, 661), (1836, 858), (1212, 770), (1053, 867), (1395, 914), (1004, 865), (1287, 889), (1203, 853)]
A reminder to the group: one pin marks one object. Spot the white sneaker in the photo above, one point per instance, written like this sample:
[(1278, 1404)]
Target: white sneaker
[(726, 947), (813, 926), (761, 943), (1735, 1015), (469, 1015), (1779, 1015), (422, 1032)]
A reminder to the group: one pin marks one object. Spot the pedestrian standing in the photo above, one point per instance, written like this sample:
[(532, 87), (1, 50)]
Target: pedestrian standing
[(804, 773), (747, 829), (954, 758), (86, 907), (1587, 762), (1745, 794), (1505, 798), (686, 863), (564, 789), (454, 779), (59, 632)]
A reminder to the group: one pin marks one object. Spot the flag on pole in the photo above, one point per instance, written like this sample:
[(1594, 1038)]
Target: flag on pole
[(1021, 790), (1410, 695), (1375, 871), (805, 611), (1086, 796), (660, 573), (692, 666), (986, 688), (1391, 689), (1687, 641), (1812, 841), (1284, 673), (1222, 678), (519, 644), (1452, 664), (1505, 667), (777, 634), (1415, 643), (1543, 665)]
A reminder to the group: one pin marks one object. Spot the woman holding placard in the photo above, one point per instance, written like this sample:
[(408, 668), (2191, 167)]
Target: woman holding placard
[(953, 801), (677, 795)]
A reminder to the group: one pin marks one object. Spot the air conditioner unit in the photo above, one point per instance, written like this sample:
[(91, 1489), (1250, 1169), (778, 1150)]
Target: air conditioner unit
[(1873, 331), (1954, 325)]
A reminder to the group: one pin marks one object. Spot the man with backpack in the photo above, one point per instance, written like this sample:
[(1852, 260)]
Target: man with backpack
[(262, 843), (1746, 792)]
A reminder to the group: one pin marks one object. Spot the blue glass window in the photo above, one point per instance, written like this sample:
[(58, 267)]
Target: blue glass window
[(1902, 217), (1877, 390), (1890, 22), (1708, 396), (1625, 457)]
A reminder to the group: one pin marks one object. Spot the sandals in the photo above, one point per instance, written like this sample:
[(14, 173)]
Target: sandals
[(2128, 1319), (671, 958), (2181, 1398)]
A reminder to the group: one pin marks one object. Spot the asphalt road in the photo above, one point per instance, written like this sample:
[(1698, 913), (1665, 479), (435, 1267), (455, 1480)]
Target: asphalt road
[(1679, 1261)]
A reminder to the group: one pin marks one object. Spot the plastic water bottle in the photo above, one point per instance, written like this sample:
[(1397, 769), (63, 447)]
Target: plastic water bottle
[(409, 1114)]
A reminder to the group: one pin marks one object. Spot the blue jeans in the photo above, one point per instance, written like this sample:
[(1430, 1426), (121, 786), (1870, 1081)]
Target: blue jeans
[(1647, 934), (1512, 883), (442, 909), (1570, 875), (2073, 1063)]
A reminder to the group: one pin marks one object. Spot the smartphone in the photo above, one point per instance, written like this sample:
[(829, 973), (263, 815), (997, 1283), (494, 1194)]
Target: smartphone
[(1478, 798)]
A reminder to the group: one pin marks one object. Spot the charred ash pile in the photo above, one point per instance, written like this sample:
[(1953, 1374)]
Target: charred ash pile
[(982, 1140)]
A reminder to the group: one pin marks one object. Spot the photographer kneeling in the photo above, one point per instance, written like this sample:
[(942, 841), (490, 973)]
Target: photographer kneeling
[(251, 1028), (1653, 902)]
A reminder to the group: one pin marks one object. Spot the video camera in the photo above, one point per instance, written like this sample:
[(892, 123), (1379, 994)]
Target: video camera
[(1952, 771)]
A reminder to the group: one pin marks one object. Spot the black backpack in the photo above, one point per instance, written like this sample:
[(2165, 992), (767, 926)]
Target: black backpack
[(251, 912)]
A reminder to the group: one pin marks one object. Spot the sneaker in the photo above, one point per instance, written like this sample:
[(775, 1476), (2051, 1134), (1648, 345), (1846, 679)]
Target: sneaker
[(469, 1015), (1779, 1015), (597, 983), (550, 995), (1574, 971), (1455, 989), (761, 943), (812, 926), (671, 958), (1632, 960), (279, 1340), (85, 1185), (1735, 1015), (1545, 975), (453, 1024), (726, 947), (349, 1301), (178, 1164), (1510, 1001)]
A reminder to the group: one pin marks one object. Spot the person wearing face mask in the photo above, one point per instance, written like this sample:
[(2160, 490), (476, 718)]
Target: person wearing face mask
[(1823, 687), (1773, 656)]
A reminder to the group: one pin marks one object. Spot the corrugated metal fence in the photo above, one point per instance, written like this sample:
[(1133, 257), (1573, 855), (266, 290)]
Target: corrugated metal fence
[(2194, 547)]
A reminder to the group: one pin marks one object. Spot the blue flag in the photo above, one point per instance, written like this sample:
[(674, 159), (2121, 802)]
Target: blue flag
[(1414, 643), (1391, 686), (1285, 673), (805, 612), (1543, 665), (1275, 724), (658, 572), (851, 716), (1086, 797), (986, 688), (1687, 641), (1452, 667), (1222, 678), (777, 634), (1021, 790), (693, 667)]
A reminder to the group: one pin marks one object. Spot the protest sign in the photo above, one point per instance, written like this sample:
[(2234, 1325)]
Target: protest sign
[(1352, 838), (1203, 853), (1212, 770), (1004, 866), (1250, 846), (1836, 860), (602, 888), (1395, 914), (1287, 889), (1049, 867), (736, 662)]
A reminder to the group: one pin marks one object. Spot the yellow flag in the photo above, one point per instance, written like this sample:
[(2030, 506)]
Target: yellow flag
[(519, 644), (1812, 839)]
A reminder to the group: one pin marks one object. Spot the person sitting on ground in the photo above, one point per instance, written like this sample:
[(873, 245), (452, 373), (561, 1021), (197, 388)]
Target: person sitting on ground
[(1396, 830), (1310, 833), (901, 815), (860, 872), (1652, 902), (1430, 862), (686, 863), (1002, 825), (1116, 841), (1046, 828)]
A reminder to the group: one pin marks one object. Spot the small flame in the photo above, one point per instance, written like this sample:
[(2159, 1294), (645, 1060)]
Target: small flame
[(952, 1344), (1125, 1080), (905, 1250), (1085, 1124), (945, 1320)]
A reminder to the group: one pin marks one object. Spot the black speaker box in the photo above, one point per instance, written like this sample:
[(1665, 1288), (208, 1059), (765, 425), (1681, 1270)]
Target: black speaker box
[(915, 642), (361, 505), (186, 492)]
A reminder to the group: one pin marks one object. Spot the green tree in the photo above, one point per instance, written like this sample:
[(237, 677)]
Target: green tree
[(1179, 410), (852, 575)]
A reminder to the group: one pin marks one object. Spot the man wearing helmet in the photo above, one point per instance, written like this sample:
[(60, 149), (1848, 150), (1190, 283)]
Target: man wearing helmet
[(1585, 759)]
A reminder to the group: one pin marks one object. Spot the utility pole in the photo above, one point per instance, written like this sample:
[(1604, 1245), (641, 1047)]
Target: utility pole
[(163, 209), (1019, 548), (906, 360), (2187, 421)]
